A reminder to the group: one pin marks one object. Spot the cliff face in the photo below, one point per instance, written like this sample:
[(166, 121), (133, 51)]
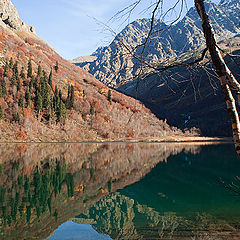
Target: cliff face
[(98, 112), (115, 63), (10, 17)]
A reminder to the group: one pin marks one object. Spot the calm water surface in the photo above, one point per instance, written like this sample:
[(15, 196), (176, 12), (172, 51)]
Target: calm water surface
[(119, 191)]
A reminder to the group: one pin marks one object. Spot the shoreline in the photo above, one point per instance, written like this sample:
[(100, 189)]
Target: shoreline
[(168, 139)]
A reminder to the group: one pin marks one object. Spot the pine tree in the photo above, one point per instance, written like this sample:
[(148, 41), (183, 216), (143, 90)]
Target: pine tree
[(31, 84), (60, 94), (1, 113), (16, 117), (29, 70), (11, 62), (61, 111), (6, 67), (39, 105), (21, 101), (72, 96), (15, 70), (110, 96), (27, 97), (18, 85), (22, 74), (47, 102), (13, 79), (1, 92), (56, 99), (67, 102), (56, 67), (3, 87), (39, 72), (92, 110), (50, 79)]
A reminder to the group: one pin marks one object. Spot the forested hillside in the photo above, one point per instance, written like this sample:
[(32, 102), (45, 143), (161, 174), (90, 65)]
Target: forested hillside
[(46, 98)]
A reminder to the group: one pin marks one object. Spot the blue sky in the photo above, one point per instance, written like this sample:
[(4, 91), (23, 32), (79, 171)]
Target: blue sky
[(76, 27)]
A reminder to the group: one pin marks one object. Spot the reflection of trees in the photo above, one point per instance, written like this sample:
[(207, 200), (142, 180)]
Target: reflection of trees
[(123, 218), (44, 185), (233, 186), (32, 194)]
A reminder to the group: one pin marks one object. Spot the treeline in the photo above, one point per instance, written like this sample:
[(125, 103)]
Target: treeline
[(35, 91), (35, 193)]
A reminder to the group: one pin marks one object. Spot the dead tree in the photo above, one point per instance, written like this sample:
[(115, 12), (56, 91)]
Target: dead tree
[(227, 80)]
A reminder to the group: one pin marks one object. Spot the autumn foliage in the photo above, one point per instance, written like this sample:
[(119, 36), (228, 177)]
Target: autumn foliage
[(42, 102)]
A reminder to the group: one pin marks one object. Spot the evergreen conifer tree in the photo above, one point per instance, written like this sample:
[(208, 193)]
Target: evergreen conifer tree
[(50, 79), (29, 70), (6, 67), (13, 79), (27, 97), (3, 87), (1, 113), (92, 110), (18, 85), (16, 117), (1, 92), (21, 101), (22, 74), (72, 96), (109, 96), (60, 95), (56, 67), (15, 71), (11, 62), (31, 83), (39, 103), (39, 72), (67, 102)]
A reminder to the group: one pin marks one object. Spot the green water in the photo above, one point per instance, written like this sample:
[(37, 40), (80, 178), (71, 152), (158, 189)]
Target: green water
[(186, 197), (119, 191)]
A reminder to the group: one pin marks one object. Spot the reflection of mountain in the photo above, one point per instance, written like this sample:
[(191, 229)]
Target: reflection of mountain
[(181, 199), (44, 185), (124, 218)]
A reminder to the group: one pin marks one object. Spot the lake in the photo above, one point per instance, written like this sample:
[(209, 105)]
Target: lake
[(119, 191)]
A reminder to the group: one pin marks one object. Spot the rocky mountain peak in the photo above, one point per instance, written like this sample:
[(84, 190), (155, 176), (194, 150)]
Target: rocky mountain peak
[(114, 65), (9, 17)]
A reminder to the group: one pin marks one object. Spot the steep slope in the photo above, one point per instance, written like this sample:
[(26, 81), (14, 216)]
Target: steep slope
[(34, 109), (115, 64), (189, 97)]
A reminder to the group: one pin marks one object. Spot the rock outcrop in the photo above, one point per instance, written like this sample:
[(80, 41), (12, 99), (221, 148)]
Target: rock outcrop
[(9, 17)]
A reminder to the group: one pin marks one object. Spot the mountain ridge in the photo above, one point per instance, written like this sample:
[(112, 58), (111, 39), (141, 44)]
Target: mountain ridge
[(115, 64)]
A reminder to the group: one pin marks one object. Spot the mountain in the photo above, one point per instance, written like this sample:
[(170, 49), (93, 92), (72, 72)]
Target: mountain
[(115, 64), (43, 97), (181, 95)]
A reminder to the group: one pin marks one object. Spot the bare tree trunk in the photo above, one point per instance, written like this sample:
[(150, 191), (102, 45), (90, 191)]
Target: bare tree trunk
[(224, 74)]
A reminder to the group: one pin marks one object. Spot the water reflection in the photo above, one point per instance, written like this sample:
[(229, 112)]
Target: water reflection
[(175, 201), (44, 185), (166, 189)]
